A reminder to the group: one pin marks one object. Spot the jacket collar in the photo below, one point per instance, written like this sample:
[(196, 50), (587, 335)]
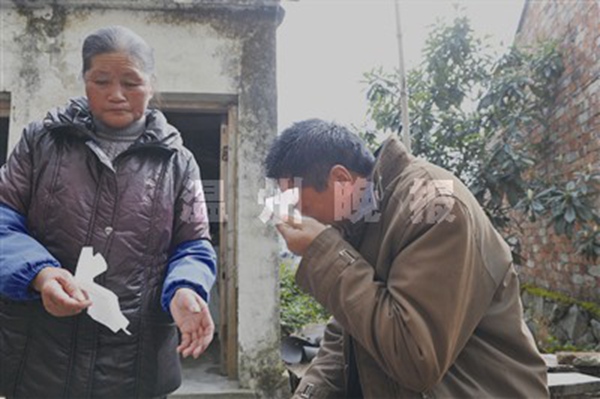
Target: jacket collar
[(392, 159), (74, 115), (76, 119)]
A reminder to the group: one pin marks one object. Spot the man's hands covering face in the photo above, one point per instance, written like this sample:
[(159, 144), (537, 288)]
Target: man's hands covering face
[(299, 236)]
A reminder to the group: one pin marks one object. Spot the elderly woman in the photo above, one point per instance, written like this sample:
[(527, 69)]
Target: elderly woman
[(109, 173)]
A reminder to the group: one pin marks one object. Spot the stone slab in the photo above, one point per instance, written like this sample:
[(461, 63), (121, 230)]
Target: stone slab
[(572, 384)]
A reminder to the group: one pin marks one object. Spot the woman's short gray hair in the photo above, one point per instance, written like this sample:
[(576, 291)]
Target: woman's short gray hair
[(112, 39)]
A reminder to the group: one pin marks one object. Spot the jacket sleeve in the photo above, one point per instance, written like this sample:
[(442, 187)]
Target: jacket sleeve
[(192, 262), (192, 265), (21, 256), (415, 323), (16, 176), (325, 376)]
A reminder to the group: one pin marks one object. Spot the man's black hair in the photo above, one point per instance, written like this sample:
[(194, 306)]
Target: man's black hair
[(310, 148)]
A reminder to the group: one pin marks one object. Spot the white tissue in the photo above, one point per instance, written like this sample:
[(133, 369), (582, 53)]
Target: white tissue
[(105, 303), (282, 203)]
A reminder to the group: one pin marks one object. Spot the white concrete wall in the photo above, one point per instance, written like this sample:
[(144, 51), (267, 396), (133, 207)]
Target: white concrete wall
[(41, 67), (42, 72)]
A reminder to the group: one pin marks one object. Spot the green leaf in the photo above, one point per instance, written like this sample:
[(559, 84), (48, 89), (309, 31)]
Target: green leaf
[(537, 206), (584, 213), (486, 145), (570, 215)]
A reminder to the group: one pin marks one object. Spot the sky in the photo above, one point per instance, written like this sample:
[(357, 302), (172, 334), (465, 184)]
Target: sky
[(325, 46)]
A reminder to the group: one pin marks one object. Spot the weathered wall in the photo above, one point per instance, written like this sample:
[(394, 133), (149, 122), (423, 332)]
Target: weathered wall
[(573, 143), (42, 62), (258, 259), (215, 49), (556, 323)]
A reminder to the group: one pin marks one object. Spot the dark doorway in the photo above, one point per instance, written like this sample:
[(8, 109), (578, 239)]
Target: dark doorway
[(201, 133), (208, 125), (4, 125), (3, 139), (202, 136)]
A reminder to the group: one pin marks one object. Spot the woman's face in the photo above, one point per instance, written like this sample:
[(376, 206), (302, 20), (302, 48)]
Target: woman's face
[(117, 89)]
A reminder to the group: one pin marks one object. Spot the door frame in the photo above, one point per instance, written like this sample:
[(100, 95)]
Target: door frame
[(225, 105)]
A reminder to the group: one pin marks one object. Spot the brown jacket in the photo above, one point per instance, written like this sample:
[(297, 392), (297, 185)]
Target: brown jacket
[(426, 299)]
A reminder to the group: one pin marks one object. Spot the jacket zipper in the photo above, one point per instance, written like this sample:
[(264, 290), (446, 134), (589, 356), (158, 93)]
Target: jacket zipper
[(87, 241)]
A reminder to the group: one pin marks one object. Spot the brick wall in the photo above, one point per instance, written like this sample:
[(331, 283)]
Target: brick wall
[(573, 139)]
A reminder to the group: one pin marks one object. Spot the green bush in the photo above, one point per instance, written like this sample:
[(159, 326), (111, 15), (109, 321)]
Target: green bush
[(473, 114), (297, 308)]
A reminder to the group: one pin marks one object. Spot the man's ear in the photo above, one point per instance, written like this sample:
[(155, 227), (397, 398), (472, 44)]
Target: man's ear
[(339, 174)]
